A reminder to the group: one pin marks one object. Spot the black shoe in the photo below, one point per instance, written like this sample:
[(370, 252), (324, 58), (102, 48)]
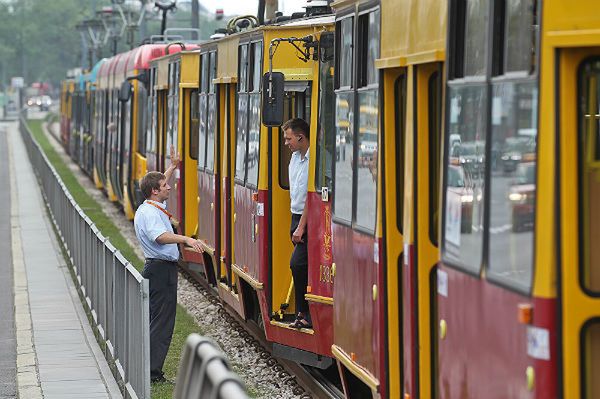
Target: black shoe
[(159, 378)]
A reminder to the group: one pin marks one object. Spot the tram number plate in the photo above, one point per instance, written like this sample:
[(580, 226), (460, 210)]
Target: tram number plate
[(325, 275)]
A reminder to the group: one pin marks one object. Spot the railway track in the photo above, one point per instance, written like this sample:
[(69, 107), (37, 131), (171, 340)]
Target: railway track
[(307, 382)]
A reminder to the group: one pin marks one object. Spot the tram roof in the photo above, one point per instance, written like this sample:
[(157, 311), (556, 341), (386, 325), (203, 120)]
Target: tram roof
[(412, 31)]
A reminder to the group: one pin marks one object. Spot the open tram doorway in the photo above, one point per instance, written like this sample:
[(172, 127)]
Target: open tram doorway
[(297, 104)]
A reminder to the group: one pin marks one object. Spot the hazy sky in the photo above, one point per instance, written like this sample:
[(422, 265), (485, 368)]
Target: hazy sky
[(238, 7)]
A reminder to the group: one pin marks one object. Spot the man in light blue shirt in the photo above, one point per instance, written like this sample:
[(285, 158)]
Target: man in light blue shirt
[(159, 242), (296, 133)]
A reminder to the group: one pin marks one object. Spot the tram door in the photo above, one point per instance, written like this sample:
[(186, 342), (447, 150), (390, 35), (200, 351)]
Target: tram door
[(579, 226), (246, 160), (172, 138), (394, 128), (421, 221)]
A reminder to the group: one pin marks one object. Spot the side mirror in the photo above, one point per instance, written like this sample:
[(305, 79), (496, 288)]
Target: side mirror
[(272, 99), (125, 92)]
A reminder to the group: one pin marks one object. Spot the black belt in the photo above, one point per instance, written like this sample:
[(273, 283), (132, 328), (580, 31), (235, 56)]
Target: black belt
[(160, 260)]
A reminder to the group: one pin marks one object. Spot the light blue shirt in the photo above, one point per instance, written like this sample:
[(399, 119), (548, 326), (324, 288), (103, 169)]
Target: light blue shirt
[(149, 223), (298, 173)]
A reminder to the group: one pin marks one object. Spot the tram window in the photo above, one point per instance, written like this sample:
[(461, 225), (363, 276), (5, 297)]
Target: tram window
[(210, 132), (520, 38), (204, 70), (476, 46), (435, 125), (589, 170), (284, 152), (212, 71), (369, 48), (344, 129), (211, 124), (202, 112), (254, 139), (345, 42), (243, 72), (175, 131), (256, 67), (400, 128), (465, 173), (366, 166), (151, 140), (142, 119), (590, 348), (328, 144), (512, 182), (254, 116), (241, 137), (194, 124)]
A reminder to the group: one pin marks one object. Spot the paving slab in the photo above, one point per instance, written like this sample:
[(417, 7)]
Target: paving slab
[(8, 342)]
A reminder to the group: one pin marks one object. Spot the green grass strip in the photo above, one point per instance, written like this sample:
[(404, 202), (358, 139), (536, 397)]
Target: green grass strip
[(184, 323)]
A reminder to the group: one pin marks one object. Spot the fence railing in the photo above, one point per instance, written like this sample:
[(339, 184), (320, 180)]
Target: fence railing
[(115, 292), (205, 374)]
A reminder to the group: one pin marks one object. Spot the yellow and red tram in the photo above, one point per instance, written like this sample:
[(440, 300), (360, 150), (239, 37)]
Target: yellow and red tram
[(443, 261)]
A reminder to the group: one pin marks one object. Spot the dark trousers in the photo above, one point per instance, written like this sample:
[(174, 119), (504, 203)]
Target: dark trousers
[(299, 266), (163, 305)]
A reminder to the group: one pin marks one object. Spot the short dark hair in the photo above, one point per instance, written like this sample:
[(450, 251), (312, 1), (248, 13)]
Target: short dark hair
[(150, 182), (298, 126)]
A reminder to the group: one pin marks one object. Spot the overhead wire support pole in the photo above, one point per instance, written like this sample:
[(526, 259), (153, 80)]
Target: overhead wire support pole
[(164, 8)]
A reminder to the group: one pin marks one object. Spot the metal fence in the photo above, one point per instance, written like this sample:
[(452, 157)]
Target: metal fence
[(205, 374), (115, 292)]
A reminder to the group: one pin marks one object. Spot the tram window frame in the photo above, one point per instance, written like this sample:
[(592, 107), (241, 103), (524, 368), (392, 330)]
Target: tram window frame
[(344, 82), (400, 103), (458, 28), (344, 85), (177, 94), (460, 78), (503, 25), (588, 153), (151, 110), (203, 106), (254, 95), (142, 119), (212, 96), (590, 326), (496, 75), (326, 134), (369, 16), (435, 91), (194, 124), (245, 55), (503, 75), (359, 87), (458, 85)]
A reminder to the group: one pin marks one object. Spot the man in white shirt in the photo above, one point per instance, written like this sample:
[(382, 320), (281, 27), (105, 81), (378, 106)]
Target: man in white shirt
[(296, 133), (159, 242)]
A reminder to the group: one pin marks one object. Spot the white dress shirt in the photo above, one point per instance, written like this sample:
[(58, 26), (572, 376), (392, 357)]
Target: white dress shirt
[(298, 173)]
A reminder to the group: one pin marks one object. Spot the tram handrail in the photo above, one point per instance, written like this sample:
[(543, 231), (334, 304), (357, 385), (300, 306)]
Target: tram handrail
[(115, 293)]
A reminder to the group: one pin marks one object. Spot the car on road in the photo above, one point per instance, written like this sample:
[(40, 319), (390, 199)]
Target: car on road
[(522, 197), (456, 184)]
